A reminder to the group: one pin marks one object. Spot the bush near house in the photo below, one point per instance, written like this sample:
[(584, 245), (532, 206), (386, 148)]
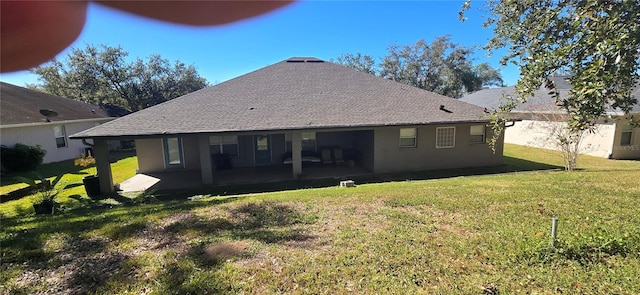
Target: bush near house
[(22, 157)]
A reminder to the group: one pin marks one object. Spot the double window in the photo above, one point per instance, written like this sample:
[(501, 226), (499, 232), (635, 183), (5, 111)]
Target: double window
[(408, 137), (59, 134), (224, 144), (445, 137)]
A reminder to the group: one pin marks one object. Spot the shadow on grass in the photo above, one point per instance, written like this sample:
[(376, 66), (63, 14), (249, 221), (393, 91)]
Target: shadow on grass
[(58, 169), (510, 165), (90, 262), (592, 250)]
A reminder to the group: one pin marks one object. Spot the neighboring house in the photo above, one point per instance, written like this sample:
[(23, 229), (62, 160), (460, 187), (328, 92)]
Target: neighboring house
[(22, 121), (613, 137), (303, 110)]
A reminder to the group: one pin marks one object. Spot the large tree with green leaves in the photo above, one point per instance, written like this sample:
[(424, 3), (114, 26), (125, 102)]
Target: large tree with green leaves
[(443, 67), (595, 42), (104, 75)]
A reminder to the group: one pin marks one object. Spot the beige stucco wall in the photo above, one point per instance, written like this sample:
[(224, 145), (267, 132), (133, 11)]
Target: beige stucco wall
[(389, 157), (628, 151), (538, 134), (150, 155), (43, 135), (380, 150)]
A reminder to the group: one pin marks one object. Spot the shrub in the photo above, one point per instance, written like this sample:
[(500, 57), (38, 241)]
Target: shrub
[(22, 157)]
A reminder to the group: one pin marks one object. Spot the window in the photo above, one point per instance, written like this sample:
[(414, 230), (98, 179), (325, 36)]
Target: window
[(225, 144), (173, 152), (625, 137), (445, 137), (477, 134), (308, 141), (61, 140), (408, 137)]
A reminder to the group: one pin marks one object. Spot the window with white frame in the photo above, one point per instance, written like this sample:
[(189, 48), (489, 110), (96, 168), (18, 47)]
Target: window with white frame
[(224, 144), (59, 134), (408, 137), (477, 134), (308, 141), (445, 137), (626, 135)]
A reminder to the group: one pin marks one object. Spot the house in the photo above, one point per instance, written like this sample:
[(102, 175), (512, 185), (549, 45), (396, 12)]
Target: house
[(299, 114), (36, 118), (612, 138)]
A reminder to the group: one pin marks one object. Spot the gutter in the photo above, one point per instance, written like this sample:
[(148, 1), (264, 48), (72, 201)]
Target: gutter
[(36, 124)]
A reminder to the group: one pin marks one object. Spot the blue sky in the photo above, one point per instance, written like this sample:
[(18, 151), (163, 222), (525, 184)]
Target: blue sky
[(323, 29)]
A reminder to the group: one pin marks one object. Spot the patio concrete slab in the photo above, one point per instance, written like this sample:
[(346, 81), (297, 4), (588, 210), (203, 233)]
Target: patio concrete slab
[(238, 176), (138, 183)]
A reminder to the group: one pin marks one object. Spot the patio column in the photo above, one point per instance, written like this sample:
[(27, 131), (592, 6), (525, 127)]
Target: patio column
[(205, 160), (296, 153), (101, 154)]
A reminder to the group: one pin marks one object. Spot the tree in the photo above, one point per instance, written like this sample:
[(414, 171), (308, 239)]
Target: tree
[(102, 75), (442, 67), (595, 42), (362, 63)]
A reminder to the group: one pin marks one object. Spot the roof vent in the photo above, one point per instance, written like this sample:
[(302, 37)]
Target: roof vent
[(305, 59), (295, 60), (48, 114), (442, 108)]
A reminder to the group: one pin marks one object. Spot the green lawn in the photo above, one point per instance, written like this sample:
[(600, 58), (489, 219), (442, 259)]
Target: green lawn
[(484, 234), (68, 182)]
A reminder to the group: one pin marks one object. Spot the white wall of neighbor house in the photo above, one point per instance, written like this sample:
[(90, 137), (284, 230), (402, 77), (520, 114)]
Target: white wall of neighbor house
[(538, 134), (44, 135), (626, 141), (389, 156)]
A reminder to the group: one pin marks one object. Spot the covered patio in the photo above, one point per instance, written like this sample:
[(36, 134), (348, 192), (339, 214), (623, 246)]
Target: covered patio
[(170, 180)]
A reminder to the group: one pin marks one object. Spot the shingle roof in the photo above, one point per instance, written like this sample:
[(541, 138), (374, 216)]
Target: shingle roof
[(540, 102), (492, 98), (298, 93), (19, 105)]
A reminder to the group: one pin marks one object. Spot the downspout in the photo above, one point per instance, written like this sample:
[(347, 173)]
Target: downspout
[(512, 123), (84, 141)]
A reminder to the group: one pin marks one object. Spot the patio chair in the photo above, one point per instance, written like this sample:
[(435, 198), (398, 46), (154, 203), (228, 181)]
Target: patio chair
[(338, 159), (326, 156)]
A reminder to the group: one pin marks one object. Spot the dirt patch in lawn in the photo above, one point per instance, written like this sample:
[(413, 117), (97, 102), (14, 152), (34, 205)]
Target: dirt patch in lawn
[(225, 251)]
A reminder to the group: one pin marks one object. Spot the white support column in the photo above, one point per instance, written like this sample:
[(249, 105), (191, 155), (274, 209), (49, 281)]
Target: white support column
[(296, 153), (206, 169), (101, 151)]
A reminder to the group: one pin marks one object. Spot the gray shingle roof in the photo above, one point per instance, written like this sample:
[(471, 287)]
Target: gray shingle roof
[(298, 93), (540, 102), (492, 98), (19, 105)]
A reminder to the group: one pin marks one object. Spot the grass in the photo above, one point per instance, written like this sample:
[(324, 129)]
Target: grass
[(68, 182), (485, 234)]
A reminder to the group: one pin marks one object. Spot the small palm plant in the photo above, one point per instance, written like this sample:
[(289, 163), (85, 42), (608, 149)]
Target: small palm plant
[(45, 200)]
